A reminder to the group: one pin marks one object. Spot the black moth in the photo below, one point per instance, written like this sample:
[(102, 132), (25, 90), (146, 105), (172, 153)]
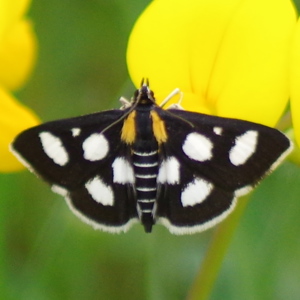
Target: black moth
[(181, 169)]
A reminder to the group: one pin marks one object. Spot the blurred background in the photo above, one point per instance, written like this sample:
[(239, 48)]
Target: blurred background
[(47, 253)]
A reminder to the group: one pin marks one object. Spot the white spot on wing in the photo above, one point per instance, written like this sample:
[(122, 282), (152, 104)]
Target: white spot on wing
[(244, 148), (198, 147), (169, 171), (95, 147), (196, 192), (75, 132), (218, 130), (53, 147), (122, 170), (100, 192)]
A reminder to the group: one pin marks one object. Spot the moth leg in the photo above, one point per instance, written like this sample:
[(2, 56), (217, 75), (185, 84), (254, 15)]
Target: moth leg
[(171, 95), (125, 103)]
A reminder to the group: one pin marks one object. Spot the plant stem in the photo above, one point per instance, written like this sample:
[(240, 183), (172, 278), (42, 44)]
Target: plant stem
[(207, 275)]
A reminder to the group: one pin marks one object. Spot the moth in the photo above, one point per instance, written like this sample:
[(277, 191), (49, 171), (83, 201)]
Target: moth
[(143, 163)]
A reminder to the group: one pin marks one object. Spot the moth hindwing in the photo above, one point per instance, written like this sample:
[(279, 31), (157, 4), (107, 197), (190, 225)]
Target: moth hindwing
[(142, 163)]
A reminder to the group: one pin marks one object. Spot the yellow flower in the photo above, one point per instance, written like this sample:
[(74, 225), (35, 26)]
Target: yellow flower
[(295, 84), (17, 56), (229, 58)]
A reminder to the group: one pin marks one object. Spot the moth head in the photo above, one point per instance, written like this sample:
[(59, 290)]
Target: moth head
[(144, 95)]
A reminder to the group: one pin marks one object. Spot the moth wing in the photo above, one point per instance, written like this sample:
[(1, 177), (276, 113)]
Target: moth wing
[(217, 160), (76, 158)]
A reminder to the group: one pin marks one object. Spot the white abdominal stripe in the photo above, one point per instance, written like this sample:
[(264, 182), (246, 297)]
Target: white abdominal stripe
[(145, 168)]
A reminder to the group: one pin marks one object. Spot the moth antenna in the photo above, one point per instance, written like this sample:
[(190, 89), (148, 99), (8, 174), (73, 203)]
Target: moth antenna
[(145, 81), (179, 118), (134, 105), (122, 117)]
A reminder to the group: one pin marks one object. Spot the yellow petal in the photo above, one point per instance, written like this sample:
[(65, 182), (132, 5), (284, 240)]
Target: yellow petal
[(14, 118), (10, 12), (17, 55), (250, 79), (295, 83), (152, 46), (229, 57)]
